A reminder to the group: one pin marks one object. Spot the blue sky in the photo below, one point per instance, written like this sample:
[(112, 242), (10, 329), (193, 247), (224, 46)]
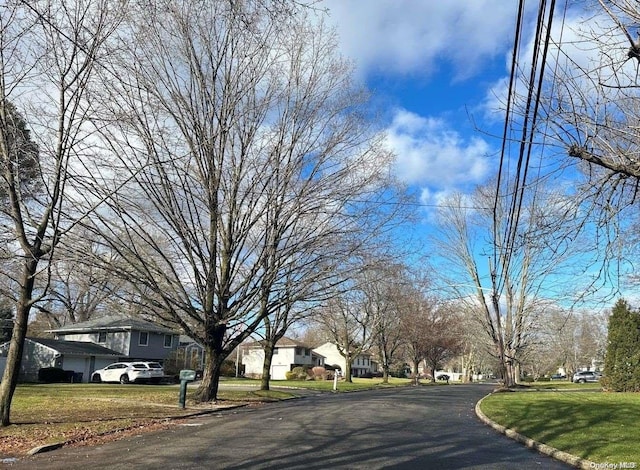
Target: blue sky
[(437, 67), (433, 65)]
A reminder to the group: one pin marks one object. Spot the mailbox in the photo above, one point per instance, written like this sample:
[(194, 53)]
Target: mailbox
[(188, 375)]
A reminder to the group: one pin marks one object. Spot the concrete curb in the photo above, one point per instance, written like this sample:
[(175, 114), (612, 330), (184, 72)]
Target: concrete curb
[(530, 443)]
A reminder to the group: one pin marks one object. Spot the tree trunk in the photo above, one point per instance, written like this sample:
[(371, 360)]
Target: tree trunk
[(385, 367), (516, 373), (208, 390), (347, 369), (385, 373), (16, 346), (214, 356), (266, 367)]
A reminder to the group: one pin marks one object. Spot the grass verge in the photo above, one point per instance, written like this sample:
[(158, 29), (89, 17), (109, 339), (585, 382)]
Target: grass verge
[(597, 426), (327, 385)]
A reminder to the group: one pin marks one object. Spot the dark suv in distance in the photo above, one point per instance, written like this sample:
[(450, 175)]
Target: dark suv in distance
[(586, 376)]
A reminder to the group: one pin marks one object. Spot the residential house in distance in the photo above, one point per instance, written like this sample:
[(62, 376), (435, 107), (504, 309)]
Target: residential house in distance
[(287, 354), (134, 339), (362, 364), (84, 347), (78, 356)]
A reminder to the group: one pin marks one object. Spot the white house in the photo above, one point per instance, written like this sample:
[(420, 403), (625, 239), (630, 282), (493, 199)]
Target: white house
[(362, 364), (287, 354)]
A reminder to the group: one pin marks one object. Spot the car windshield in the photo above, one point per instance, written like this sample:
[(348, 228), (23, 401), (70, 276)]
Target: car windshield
[(154, 365)]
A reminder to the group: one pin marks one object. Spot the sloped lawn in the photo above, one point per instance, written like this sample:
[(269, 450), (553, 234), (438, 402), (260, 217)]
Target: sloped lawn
[(597, 426)]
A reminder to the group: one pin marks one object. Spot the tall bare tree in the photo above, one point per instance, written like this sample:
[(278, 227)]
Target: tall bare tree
[(245, 153), (419, 307), (442, 337), (386, 286), (348, 325), (48, 54), (508, 296)]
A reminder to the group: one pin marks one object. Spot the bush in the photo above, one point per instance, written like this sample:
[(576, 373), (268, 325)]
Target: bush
[(228, 368), (297, 373), (54, 375), (319, 373)]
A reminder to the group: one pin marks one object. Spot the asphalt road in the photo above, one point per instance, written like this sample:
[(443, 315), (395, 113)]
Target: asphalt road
[(405, 428)]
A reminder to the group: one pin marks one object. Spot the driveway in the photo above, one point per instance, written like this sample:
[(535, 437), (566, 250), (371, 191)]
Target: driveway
[(405, 428)]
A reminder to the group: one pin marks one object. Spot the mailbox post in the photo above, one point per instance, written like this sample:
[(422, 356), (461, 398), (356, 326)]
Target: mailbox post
[(186, 376)]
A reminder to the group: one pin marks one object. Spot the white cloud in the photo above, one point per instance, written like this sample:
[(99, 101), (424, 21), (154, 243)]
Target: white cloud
[(408, 36), (430, 153)]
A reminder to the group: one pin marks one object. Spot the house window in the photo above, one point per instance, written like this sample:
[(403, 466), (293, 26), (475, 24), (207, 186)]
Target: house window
[(144, 339), (275, 351), (168, 341), (298, 351), (102, 337)]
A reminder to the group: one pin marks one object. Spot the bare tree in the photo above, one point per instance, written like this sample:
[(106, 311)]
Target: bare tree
[(507, 298), (385, 287), (442, 337), (48, 53), (78, 289), (244, 155), (417, 307), (591, 110), (303, 294), (348, 325), (566, 339)]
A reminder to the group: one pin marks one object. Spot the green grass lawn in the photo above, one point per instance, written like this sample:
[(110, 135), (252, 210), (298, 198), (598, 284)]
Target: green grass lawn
[(594, 425)]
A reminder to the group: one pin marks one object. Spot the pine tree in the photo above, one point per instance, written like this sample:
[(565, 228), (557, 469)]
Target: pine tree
[(6, 321), (22, 156), (622, 362)]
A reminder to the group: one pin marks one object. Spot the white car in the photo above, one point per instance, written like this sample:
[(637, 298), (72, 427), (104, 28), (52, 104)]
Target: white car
[(586, 376), (127, 372)]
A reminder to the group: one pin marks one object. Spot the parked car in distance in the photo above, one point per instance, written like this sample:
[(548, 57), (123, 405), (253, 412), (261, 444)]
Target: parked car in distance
[(127, 372), (586, 376), (558, 377)]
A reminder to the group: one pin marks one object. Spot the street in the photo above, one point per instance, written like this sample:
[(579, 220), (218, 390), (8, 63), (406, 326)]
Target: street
[(404, 428)]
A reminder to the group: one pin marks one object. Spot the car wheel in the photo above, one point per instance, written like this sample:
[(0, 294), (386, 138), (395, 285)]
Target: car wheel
[(582, 381), (124, 379), (96, 379)]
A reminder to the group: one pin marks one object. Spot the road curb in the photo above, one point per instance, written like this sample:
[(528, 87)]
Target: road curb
[(532, 444)]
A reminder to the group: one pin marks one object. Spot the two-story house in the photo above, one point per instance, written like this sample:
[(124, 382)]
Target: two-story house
[(134, 339), (87, 346), (287, 354), (361, 365)]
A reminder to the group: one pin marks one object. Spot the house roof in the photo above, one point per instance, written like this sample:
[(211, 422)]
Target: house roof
[(83, 348), (114, 323)]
